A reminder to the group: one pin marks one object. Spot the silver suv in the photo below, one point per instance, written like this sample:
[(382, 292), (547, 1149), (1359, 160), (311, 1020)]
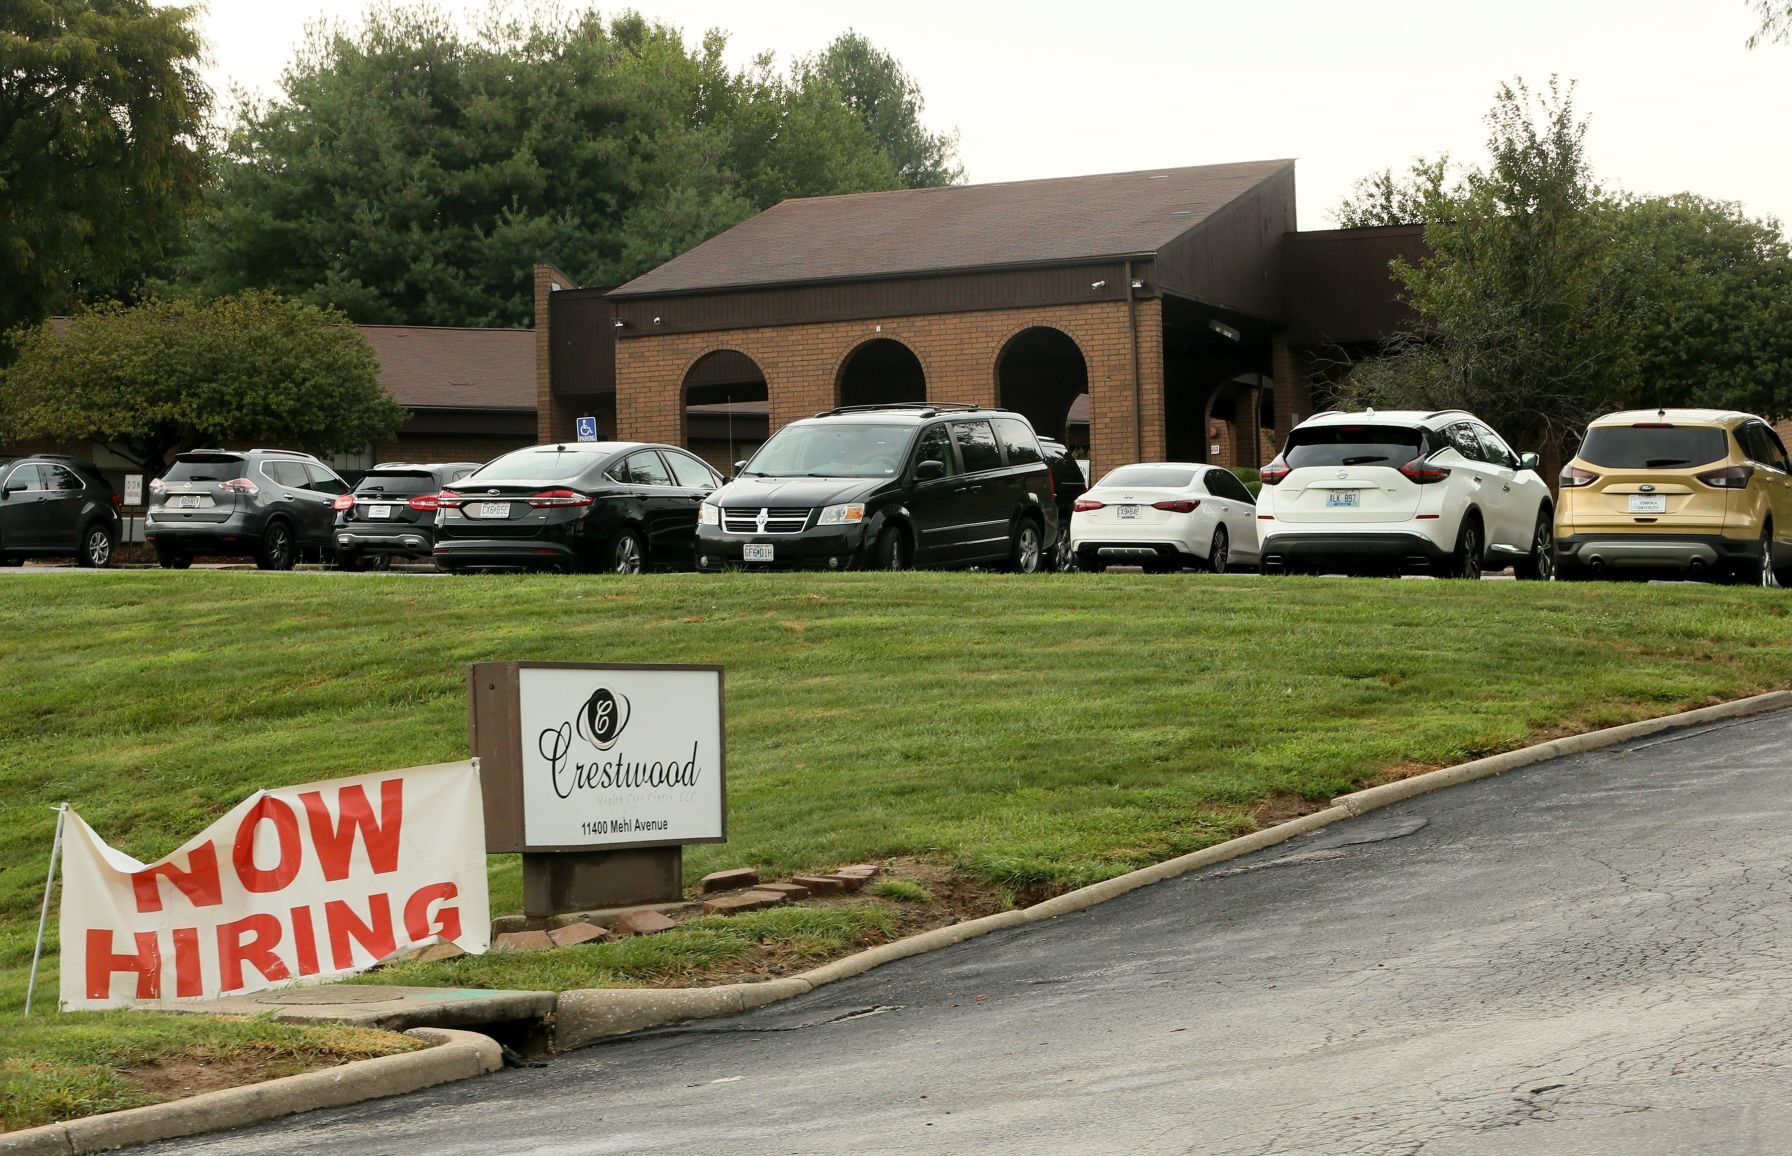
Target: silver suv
[(272, 505)]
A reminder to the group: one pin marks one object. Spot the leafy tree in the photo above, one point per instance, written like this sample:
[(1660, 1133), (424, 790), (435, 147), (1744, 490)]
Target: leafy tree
[(1776, 22), (1545, 301), (1418, 196), (888, 102), (102, 122), (167, 375), (408, 172)]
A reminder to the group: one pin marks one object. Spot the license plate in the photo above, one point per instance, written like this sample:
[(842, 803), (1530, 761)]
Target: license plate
[(757, 552), (379, 511), (492, 510), (1342, 500), (1126, 512), (188, 501), (1648, 503)]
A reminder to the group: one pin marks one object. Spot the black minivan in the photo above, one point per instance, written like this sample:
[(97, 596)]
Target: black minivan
[(887, 487)]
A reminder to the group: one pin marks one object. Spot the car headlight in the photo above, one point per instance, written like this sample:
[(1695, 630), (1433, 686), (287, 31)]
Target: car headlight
[(847, 515), (709, 514)]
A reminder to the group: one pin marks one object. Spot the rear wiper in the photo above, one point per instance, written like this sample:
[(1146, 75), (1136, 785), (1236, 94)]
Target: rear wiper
[(1363, 460), (1658, 463)]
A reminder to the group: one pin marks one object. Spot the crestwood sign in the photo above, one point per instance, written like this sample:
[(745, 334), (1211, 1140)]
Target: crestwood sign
[(587, 756)]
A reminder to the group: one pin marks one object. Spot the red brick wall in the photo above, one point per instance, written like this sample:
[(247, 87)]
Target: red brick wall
[(551, 419), (958, 353)]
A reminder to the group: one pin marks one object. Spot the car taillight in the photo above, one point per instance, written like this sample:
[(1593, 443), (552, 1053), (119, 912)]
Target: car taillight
[(239, 486), (559, 498), (343, 502), (425, 502), (117, 502), (1424, 470), (1084, 505), (1274, 472), (1728, 478), (1178, 505), (1573, 476), (449, 500)]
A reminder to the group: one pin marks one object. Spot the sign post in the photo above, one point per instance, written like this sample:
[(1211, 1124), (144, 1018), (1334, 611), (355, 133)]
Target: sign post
[(598, 774)]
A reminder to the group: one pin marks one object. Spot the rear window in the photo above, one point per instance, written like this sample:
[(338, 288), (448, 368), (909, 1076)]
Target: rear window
[(1622, 447), (1150, 477), (205, 468), (1351, 445), (534, 466), (406, 482)]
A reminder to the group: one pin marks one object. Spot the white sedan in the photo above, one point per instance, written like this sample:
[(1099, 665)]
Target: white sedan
[(1165, 516)]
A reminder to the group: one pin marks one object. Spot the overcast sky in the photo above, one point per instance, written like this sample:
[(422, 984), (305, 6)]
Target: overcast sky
[(1047, 88)]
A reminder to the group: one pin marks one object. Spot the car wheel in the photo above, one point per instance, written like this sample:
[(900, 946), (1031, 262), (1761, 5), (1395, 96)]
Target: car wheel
[(1063, 559), (1025, 553), (627, 554), (276, 551), (1769, 575), (892, 551), (346, 560), (11, 560), (1540, 563), (1091, 563), (97, 544), (1465, 560), (171, 560), (1219, 552)]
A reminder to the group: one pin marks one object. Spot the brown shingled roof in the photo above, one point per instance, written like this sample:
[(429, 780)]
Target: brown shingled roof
[(433, 368), (911, 231)]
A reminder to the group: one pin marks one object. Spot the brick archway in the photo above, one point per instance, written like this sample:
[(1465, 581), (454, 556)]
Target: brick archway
[(878, 370), (724, 399), (1040, 371)]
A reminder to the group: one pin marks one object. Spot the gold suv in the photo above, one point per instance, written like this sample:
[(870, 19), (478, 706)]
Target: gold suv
[(1694, 490)]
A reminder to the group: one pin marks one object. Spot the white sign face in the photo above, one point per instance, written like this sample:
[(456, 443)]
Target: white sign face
[(620, 756), (133, 489)]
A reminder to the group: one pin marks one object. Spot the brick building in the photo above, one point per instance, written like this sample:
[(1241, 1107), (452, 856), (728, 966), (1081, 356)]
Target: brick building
[(1161, 314)]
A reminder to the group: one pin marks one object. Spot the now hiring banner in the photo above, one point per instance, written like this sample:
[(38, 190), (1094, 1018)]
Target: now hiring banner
[(297, 884)]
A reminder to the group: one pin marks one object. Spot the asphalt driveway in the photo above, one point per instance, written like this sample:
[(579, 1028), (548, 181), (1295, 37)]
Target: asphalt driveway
[(1588, 955)]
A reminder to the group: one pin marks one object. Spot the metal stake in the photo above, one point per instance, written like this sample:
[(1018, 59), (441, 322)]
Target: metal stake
[(43, 918)]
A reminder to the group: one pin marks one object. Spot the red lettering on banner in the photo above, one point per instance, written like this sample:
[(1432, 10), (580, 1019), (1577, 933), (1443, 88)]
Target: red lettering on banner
[(336, 843), (417, 923), (343, 923), (187, 979), (286, 828), (304, 941), (263, 935), (103, 963), (198, 882)]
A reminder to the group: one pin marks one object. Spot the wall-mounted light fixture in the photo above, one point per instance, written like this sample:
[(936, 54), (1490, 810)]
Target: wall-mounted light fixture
[(1224, 330), (1098, 284), (618, 323), (656, 321), (1138, 283)]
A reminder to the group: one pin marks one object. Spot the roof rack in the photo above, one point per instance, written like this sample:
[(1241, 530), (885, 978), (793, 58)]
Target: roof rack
[(288, 453), (923, 408)]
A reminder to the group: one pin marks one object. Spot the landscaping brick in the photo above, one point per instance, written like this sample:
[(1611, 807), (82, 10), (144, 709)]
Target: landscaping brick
[(851, 882), (867, 870), (792, 891), (436, 951), (745, 901), (522, 941), (820, 884), (729, 880), (577, 933), (643, 922)]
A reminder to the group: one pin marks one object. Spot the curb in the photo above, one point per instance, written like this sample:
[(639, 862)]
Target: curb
[(457, 1055), (590, 1015)]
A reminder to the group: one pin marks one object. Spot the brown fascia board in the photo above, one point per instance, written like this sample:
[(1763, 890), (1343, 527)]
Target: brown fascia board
[(906, 275)]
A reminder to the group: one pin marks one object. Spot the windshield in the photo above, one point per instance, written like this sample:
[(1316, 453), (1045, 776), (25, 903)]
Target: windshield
[(1662, 447), (532, 465), (1148, 477), (831, 451), (1352, 445)]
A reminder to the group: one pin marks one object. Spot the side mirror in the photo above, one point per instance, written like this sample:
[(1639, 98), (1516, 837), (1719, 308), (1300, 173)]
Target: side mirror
[(739, 466), (929, 470), (1529, 461), (11, 490)]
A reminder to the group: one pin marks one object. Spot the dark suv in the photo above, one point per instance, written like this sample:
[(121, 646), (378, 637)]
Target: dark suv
[(56, 506), (272, 505), (392, 513), (1070, 484), (887, 486)]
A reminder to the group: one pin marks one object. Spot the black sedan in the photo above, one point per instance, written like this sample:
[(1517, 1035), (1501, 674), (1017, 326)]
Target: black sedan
[(614, 506)]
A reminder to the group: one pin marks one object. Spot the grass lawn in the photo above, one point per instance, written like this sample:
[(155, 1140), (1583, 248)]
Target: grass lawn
[(1037, 732)]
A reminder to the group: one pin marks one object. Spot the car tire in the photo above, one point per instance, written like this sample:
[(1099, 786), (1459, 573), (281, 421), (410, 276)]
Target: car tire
[(348, 560), (1540, 564), (1063, 558), (892, 551), (1090, 563), (98, 544), (1769, 575), (627, 554), (1465, 560), (11, 560), (172, 560), (276, 550), (1219, 551), (1026, 552)]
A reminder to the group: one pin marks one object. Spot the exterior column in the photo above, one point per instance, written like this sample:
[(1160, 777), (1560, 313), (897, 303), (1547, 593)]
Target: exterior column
[(552, 420), (1294, 397)]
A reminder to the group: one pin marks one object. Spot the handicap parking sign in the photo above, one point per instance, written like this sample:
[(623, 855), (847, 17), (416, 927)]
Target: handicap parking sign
[(587, 429)]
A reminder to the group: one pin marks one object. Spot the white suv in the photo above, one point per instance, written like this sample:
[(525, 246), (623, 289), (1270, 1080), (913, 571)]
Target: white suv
[(1403, 490)]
